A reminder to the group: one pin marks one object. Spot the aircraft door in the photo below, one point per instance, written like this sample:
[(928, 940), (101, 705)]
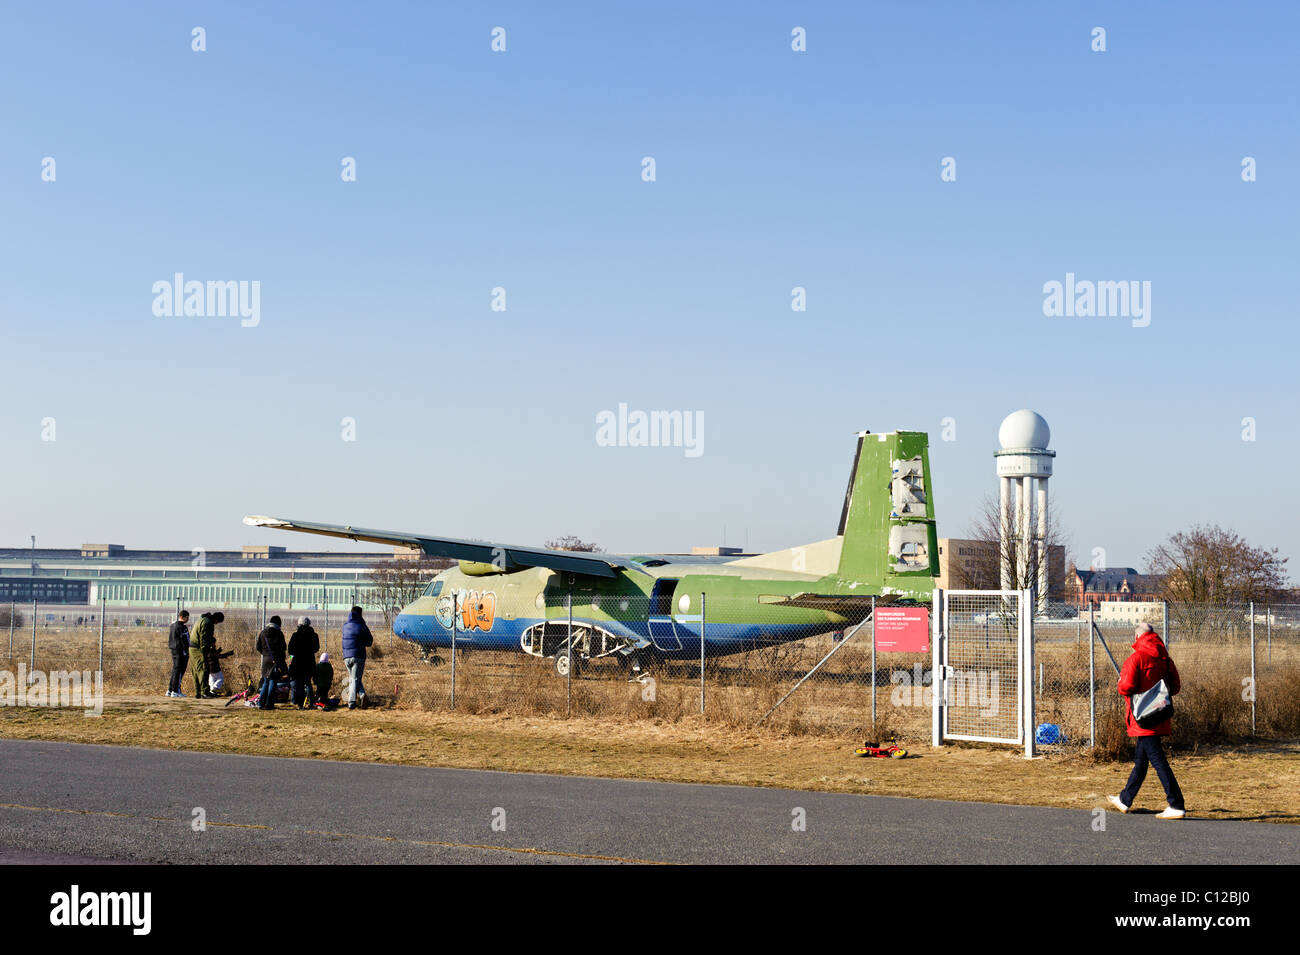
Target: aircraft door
[(663, 632)]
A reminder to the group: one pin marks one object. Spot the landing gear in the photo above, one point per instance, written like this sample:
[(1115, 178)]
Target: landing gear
[(430, 657), (567, 659), (639, 665)]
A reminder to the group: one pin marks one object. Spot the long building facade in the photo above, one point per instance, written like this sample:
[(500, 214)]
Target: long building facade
[(308, 580)]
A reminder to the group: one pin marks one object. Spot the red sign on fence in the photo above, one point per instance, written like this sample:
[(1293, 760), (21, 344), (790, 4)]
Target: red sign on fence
[(903, 629)]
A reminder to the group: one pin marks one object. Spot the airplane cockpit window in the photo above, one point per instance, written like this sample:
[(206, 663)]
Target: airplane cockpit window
[(434, 588)]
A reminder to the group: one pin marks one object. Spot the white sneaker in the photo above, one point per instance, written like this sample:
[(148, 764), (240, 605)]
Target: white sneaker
[(1171, 813), (1117, 803), (179, 696)]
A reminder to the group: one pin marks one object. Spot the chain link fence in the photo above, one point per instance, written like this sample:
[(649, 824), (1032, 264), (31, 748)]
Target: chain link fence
[(1239, 667), (626, 659), (799, 671)]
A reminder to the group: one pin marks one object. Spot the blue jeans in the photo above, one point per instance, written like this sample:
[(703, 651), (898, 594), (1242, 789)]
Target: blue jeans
[(266, 693), (300, 690), (1149, 751), (356, 666)]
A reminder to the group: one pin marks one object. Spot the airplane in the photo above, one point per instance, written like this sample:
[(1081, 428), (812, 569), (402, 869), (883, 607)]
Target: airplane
[(641, 610)]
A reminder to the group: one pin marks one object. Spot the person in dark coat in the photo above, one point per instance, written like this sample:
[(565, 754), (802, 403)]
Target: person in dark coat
[(270, 644), (178, 642), (1148, 665), (356, 637), (302, 662), (324, 678), (216, 679), (203, 642)]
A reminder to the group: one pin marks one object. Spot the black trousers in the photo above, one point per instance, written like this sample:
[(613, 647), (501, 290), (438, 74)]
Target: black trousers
[(1148, 751), (180, 663)]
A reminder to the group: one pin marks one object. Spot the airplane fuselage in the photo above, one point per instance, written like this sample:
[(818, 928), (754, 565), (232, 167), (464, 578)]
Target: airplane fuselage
[(655, 605)]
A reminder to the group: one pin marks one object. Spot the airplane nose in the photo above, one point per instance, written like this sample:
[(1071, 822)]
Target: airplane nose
[(401, 623)]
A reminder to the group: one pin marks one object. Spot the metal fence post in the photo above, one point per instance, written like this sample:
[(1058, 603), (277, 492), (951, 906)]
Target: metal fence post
[(31, 667), (703, 614), (873, 666), (1268, 621), (1027, 669), (1164, 621), (11, 629), (1254, 685), (937, 636), (568, 674), (101, 634), (455, 612), (325, 624), (1092, 684)]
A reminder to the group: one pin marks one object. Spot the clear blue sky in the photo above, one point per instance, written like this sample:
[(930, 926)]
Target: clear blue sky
[(522, 170)]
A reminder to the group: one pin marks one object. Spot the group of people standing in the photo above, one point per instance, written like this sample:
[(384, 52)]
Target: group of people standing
[(196, 651), (293, 661)]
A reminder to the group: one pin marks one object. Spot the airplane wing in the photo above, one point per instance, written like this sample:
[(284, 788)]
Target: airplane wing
[(505, 555)]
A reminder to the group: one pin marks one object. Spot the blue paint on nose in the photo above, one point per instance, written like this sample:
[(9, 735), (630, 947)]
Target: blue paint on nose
[(413, 626)]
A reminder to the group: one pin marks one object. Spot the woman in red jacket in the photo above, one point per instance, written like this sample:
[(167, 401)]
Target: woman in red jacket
[(1149, 664)]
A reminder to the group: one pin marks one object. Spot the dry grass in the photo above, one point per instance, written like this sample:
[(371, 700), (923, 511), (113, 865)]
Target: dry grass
[(832, 711)]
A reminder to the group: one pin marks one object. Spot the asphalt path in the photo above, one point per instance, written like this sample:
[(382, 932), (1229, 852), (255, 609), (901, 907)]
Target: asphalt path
[(62, 802)]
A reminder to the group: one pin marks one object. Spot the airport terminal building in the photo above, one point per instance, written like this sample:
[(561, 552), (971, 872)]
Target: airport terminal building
[(146, 579)]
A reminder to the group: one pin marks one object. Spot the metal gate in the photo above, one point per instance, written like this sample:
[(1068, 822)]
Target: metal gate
[(980, 665)]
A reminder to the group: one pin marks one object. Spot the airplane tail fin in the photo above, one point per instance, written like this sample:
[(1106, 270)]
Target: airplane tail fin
[(887, 524)]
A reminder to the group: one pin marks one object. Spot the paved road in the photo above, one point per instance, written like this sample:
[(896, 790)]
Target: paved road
[(61, 801)]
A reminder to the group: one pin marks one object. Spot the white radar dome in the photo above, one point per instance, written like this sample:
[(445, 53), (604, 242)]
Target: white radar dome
[(1024, 429)]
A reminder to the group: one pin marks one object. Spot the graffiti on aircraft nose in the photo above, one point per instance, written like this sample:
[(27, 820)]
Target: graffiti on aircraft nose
[(477, 609)]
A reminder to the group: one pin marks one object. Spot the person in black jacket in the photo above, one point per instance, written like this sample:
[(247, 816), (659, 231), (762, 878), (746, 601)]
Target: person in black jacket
[(324, 678), (302, 662), (270, 644), (178, 642)]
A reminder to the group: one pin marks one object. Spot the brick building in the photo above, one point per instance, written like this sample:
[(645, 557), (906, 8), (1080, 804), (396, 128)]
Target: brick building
[(1085, 588)]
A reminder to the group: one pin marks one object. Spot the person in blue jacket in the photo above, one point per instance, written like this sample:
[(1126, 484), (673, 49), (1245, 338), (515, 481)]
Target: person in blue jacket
[(356, 637)]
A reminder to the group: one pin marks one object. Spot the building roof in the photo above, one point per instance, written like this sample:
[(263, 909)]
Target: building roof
[(1113, 579), (249, 555)]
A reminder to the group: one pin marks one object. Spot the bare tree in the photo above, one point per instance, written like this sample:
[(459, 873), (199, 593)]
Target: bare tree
[(397, 582), (1208, 564), (981, 566), (569, 542)]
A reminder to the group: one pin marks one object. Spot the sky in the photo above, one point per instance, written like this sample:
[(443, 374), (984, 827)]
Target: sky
[(380, 387)]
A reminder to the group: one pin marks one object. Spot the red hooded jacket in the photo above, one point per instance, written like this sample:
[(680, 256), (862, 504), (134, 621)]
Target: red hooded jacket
[(1149, 664)]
